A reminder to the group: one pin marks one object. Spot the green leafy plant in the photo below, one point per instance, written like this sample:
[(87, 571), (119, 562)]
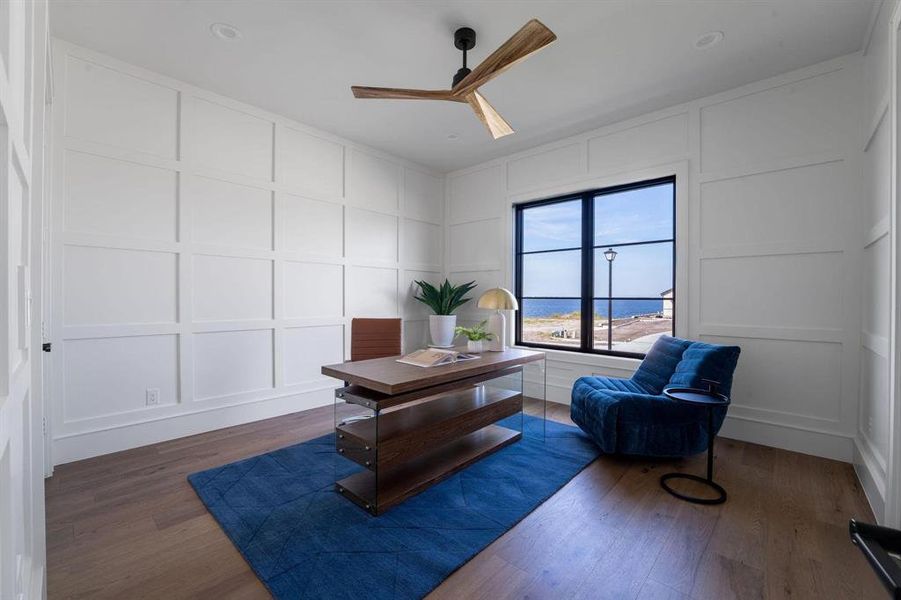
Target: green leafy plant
[(446, 298), (474, 334)]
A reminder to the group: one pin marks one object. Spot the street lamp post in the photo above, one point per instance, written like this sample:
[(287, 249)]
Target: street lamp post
[(610, 254)]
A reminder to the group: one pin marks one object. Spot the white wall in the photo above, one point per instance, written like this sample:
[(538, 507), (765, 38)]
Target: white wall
[(215, 253), (768, 240), (23, 91), (872, 441)]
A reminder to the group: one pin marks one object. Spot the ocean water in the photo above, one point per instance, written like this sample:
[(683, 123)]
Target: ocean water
[(621, 308)]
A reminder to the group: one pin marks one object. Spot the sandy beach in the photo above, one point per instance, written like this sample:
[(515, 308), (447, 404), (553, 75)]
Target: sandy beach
[(565, 329)]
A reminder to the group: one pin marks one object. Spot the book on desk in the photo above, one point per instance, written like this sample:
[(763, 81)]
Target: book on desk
[(434, 357)]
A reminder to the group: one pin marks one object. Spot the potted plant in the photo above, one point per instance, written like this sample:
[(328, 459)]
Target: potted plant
[(474, 336), (443, 300)]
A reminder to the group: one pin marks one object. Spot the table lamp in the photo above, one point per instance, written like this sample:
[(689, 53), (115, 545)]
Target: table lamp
[(498, 299)]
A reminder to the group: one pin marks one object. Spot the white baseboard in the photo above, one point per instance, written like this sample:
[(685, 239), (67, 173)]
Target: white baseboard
[(817, 443), (871, 478), (96, 443), (806, 441), (37, 589)]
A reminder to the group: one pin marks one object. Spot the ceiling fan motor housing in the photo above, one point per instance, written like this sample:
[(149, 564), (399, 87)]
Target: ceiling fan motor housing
[(464, 39)]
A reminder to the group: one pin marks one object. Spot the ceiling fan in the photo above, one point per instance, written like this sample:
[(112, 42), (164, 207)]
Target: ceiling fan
[(533, 36)]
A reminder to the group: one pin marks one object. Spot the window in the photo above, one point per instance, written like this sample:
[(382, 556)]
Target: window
[(595, 272)]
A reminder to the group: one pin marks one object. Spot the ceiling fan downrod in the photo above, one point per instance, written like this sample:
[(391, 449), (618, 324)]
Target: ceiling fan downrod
[(465, 40)]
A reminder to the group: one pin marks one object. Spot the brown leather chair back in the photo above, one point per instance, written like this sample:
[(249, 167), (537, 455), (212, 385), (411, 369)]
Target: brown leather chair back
[(374, 338)]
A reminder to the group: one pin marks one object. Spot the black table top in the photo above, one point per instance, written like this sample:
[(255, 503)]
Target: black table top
[(696, 396)]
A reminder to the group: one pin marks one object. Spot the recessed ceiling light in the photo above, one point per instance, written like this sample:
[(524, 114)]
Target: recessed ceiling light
[(709, 40), (453, 136), (226, 32)]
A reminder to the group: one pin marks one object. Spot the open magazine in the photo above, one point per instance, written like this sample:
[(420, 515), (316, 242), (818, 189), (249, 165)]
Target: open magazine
[(433, 357)]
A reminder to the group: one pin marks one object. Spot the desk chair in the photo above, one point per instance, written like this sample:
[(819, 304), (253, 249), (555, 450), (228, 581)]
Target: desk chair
[(374, 338)]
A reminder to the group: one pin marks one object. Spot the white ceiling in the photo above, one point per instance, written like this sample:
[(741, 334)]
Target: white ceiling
[(613, 59)]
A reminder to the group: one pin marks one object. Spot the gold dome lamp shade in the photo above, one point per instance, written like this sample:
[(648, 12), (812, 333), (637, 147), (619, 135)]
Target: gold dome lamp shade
[(498, 299)]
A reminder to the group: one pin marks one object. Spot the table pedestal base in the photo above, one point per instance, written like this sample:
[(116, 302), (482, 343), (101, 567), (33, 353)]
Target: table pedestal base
[(719, 499), (707, 398)]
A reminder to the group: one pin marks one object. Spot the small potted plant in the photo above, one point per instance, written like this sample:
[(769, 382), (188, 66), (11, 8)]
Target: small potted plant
[(474, 336), (443, 300)]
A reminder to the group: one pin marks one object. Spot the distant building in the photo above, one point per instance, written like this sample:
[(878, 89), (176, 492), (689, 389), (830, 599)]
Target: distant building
[(667, 303)]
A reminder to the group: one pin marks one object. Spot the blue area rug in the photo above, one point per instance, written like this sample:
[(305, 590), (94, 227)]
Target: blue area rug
[(303, 540)]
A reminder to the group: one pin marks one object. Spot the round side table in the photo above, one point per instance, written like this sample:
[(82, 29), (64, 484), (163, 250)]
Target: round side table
[(710, 399)]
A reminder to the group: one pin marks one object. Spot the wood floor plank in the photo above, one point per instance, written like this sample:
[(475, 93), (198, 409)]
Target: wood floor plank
[(677, 564), (128, 525), (244, 585), (740, 532), (657, 591), (623, 569), (727, 579), (487, 579)]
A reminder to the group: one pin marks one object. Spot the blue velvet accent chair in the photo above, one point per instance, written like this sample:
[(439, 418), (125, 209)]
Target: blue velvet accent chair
[(632, 416)]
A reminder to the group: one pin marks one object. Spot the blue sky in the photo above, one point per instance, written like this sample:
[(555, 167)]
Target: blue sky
[(631, 216)]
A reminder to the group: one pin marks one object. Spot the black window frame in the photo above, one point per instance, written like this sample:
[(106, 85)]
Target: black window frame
[(588, 248)]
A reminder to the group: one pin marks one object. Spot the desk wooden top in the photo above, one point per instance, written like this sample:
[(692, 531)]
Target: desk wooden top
[(388, 376)]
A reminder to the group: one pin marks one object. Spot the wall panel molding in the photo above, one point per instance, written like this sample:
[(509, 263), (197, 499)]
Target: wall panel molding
[(263, 248), (876, 121), (811, 315), (780, 164), (772, 249), (876, 343), (798, 334), (877, 232), (871, 481)]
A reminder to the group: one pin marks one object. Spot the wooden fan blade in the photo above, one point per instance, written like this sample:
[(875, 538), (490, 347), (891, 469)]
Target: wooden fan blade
[(533, 36), (402, 94), (486, 113)]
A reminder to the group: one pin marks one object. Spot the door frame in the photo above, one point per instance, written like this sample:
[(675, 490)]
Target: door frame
[(41, 235), (892, 513)]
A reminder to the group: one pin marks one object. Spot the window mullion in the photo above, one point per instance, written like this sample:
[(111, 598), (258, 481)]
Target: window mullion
[(587, 342), (517, 275)]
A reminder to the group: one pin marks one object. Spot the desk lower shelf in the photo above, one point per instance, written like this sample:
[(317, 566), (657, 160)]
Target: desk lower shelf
[(394, 485), (402, 435)]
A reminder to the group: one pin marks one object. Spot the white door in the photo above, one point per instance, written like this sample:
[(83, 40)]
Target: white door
[(23, 44)]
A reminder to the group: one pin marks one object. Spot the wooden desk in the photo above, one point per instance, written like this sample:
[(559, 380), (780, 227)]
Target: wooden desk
[(422, 424)]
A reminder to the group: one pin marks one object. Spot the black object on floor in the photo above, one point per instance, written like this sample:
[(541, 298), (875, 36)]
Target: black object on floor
[(708, 398), (882, 547)]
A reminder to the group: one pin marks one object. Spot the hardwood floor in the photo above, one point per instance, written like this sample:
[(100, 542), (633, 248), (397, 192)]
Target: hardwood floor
[(128, 526)]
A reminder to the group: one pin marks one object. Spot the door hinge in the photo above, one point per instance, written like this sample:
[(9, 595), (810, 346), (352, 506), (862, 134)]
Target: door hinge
[(46, 346)]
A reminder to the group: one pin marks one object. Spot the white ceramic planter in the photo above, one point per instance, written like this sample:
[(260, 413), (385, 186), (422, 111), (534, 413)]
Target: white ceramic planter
[(441, 329), (474, 346)]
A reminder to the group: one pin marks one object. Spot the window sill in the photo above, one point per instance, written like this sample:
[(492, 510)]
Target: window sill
[(593, 360)]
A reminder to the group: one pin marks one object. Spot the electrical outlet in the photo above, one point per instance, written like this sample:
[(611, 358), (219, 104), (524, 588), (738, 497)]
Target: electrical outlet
[(153, 397)]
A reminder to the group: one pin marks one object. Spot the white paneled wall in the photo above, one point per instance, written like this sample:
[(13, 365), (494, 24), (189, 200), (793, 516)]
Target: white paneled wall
[(211, 255), (872, 447), (768, 255)]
